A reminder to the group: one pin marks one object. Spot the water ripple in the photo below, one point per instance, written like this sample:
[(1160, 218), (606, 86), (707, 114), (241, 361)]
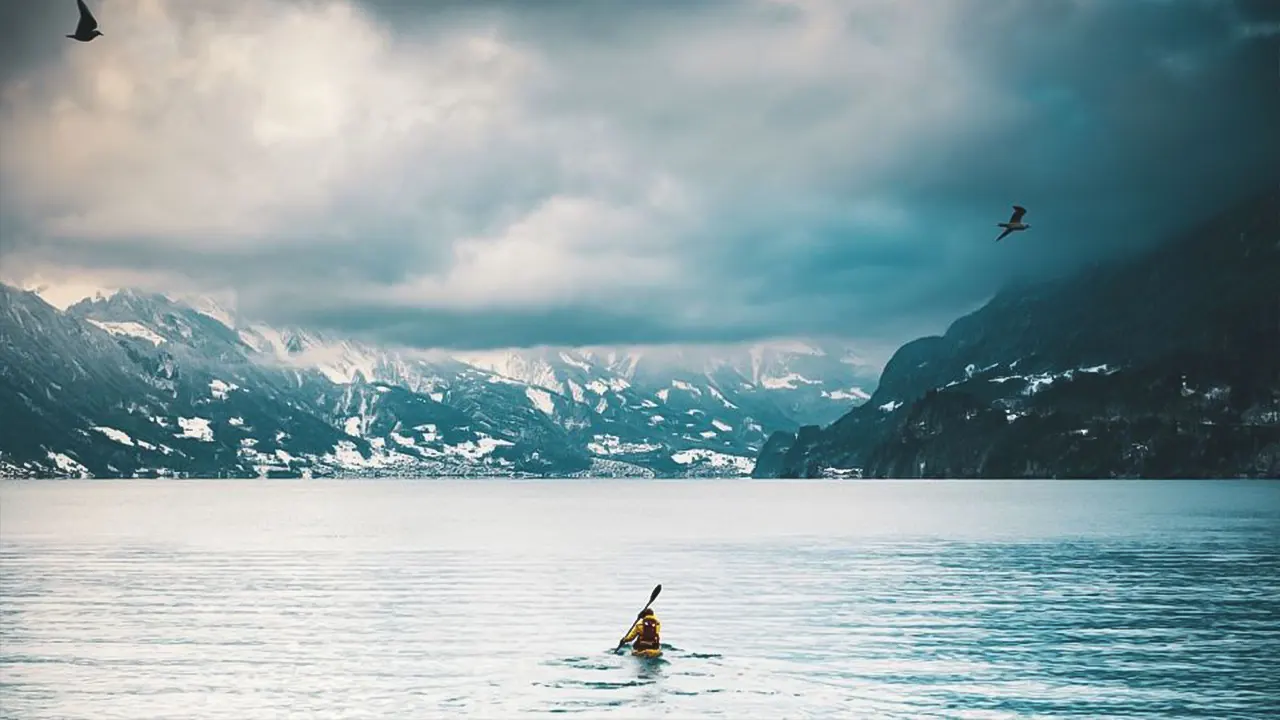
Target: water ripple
[(141, 600)]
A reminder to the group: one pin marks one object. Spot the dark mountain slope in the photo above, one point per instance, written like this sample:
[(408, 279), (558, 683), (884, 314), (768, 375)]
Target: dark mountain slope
[(1161, 365)]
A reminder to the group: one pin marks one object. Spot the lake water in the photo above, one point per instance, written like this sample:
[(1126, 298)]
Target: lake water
[(434, 599)]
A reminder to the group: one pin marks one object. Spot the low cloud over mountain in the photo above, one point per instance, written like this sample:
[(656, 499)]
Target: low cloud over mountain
[(479, 175)]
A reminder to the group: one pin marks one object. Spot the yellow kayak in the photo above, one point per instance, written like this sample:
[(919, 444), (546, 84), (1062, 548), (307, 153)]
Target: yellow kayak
[(652, 653)]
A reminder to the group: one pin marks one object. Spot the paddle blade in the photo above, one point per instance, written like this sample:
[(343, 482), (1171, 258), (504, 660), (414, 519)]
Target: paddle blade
[(657, 589)]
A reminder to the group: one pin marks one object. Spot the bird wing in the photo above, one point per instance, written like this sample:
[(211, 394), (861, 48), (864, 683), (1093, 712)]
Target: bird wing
[(1018, 212), (87, 22), (1003, 234)]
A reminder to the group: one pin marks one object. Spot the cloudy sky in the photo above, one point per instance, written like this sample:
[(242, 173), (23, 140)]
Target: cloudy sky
[(485, 174)]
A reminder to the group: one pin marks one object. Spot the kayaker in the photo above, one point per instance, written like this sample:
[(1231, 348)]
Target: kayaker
[(646, 632)]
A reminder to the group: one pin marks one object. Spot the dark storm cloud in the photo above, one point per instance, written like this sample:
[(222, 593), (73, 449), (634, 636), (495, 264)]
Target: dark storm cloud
[(1132, 123), (473, 174), (29, 29)]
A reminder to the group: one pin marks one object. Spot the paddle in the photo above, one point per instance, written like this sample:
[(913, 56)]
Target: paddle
[(652, 596)]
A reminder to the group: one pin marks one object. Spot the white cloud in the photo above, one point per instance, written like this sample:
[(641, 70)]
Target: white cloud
[(235, 125), (562, 250)]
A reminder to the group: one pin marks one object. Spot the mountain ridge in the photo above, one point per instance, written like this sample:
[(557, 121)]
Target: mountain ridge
[(183, 389), (1163, 364)]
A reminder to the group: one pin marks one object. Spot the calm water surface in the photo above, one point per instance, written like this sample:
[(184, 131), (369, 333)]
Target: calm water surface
[(416, 599)]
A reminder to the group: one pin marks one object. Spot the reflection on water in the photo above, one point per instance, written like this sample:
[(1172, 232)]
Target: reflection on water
[(447, 599)]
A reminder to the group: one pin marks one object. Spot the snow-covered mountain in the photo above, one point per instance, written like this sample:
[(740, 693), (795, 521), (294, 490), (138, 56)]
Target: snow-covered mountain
[(143, 384)]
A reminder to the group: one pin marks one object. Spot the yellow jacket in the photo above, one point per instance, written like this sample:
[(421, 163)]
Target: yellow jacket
[(634, 633)]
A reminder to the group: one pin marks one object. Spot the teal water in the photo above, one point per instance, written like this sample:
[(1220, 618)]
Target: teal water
[(431, 599)]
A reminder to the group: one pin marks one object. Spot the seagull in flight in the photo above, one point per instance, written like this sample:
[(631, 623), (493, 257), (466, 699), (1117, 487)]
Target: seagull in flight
[(1015, 222), (88, 27)]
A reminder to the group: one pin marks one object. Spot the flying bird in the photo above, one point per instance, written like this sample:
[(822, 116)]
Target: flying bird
[(88, 27), (1015, 222)]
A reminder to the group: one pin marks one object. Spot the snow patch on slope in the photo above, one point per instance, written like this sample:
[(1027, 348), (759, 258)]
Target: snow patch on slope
[(129, 329), (1041, 381), (790, 381), (682, 385), (854, 393), (196, 428), (574, 362), (353, 426), (67, 465), (119, 436), (541, 399), (219, 389)]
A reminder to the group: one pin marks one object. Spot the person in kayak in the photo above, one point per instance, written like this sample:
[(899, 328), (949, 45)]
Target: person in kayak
[(646, 632)]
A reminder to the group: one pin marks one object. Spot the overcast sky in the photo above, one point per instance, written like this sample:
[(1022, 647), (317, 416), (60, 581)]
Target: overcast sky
[(472, 174)]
